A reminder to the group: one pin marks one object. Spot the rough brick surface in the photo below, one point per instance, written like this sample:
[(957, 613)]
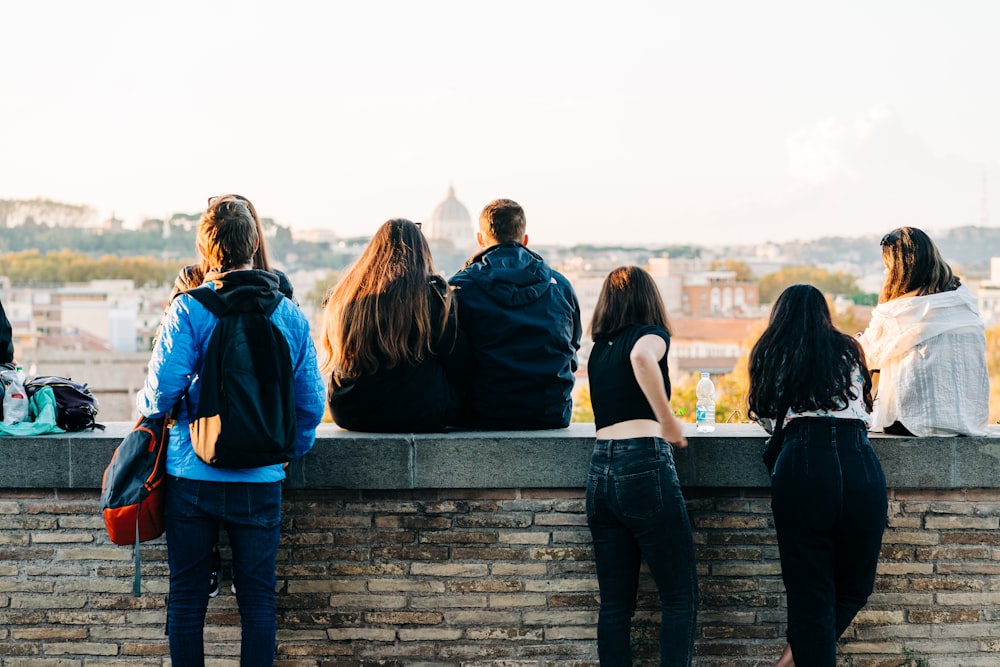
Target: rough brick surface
[(489, 578)]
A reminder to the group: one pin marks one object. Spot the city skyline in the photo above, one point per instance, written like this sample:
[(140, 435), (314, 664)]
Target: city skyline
[(654, 123)]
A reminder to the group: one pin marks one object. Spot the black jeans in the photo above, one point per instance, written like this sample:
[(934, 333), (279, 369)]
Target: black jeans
[(635, 510), (829, 501)]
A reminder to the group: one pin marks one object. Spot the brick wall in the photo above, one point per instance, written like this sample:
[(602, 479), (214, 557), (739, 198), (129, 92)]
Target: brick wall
[(498, 577)]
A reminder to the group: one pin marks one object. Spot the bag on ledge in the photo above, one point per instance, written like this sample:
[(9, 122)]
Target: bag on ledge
[(132, 490), (76, 406)]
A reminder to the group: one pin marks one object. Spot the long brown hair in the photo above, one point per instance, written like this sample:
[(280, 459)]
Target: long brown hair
[(378, 315), (913, 263), (628, 296)]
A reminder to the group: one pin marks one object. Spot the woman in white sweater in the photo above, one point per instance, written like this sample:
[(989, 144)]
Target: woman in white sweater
[(927, 340)]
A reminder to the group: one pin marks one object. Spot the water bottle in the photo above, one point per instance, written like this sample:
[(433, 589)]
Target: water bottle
[(15, 400), (705, 408)]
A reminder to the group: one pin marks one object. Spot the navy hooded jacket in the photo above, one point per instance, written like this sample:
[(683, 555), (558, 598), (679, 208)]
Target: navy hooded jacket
[(522, 323)]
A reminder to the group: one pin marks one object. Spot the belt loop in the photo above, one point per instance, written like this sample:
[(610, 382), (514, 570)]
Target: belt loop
[(611, 450)]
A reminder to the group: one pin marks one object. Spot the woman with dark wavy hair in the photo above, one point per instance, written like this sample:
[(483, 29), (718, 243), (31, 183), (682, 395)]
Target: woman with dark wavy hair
[(391, 339), (635, 509), (928, 342), (828, 492)]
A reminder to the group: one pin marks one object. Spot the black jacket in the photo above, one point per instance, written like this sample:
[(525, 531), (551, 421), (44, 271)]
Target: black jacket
[(6, 338), (408, 398), (522, 323)]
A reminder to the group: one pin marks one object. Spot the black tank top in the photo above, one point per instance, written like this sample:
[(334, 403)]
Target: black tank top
[(614, 393)]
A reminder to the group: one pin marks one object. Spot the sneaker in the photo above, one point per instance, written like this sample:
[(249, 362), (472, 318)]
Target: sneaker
[(213, 584)]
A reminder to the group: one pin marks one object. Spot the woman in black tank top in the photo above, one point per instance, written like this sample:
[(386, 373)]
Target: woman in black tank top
[(635, 509)]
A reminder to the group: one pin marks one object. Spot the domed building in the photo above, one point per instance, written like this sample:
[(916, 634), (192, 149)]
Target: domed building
[(451, 222)]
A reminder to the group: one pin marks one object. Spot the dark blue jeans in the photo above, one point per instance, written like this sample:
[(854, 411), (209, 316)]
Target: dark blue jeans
[(251, 515), (635, 511), (829, 501)]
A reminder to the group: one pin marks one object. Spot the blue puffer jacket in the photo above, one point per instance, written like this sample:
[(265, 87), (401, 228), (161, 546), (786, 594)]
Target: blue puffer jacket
[(522, 323), (177, 361)]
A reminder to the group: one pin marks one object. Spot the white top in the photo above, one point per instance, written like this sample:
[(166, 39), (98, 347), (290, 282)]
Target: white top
[(931, 354), (855, 408)]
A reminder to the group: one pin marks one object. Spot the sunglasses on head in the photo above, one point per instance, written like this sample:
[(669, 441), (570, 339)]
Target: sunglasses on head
[(212, 201), (890, 238)]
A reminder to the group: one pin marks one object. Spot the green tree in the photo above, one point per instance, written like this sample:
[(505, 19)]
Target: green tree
[(583, 411), (317, 295), (775, 283), (993, 368), (64, 266)]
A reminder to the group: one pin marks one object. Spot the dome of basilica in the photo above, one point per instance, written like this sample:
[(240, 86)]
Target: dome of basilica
[(451, 221)]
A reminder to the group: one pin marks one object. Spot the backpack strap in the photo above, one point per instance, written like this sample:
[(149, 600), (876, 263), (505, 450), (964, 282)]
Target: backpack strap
[(209, 298), (136, 559)]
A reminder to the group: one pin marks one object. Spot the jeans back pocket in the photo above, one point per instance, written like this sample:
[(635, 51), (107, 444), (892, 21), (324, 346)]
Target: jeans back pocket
[(639, 495)]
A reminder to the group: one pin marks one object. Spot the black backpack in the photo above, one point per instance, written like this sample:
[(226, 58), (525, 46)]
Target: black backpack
[(76, 406), (246, 413)]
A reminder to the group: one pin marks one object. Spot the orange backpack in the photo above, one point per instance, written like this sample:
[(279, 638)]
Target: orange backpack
[(132, 491)]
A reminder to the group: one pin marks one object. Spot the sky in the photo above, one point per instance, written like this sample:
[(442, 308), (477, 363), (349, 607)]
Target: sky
[(629, 123)]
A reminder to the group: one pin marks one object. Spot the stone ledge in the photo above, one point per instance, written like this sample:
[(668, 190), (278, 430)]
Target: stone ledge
[(730, 457)]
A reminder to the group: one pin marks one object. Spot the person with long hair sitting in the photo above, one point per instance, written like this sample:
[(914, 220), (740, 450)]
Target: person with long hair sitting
[(391, 340), (828, 492), (928, 342), (635, 509)]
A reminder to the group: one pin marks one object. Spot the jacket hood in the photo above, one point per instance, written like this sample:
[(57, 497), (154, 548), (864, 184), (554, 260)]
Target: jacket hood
[(244, 284), (510, 274)]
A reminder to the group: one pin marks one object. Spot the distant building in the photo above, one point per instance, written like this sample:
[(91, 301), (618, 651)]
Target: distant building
[(99, 315), (712, 344), (451, 222), (112, 224), (691, 289), (316, 235)]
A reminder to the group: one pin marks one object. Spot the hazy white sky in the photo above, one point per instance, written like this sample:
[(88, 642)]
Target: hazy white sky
[(626, 122)]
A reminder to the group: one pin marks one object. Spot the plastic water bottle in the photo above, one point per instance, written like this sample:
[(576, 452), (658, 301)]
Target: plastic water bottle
[(15, 400), (705, 408)]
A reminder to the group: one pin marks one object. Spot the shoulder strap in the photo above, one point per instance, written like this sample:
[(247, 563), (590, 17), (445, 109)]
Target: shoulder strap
[(209, 298)]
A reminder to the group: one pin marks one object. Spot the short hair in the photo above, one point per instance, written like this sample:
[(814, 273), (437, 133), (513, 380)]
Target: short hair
[(502, 220), (628, 296), (227, 233), (913, 264)]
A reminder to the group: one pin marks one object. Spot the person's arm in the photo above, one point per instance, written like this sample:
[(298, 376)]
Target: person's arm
[(310, 390), (172, 364), (645, 357), (453, 348), (577, 329)]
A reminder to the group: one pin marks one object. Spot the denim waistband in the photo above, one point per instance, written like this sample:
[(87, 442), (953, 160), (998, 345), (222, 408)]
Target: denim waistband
[(826, 431), (825, 422), (648, 443)]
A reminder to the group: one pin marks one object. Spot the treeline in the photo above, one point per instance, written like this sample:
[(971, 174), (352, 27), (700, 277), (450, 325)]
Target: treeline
[(178, 244), (32, 267), (45, 238)]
